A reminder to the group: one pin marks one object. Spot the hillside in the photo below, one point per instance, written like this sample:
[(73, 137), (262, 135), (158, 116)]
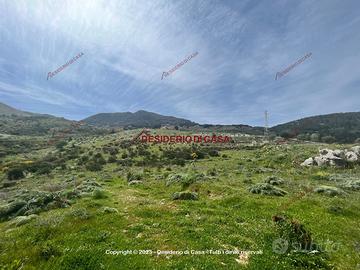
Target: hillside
[(339, 127), (7, 110), (138, 119), (16, 122)]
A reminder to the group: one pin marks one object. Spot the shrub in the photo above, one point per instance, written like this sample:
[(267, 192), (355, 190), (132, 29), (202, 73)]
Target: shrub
[(273, 180), (112, 159), (80, 213), (133, 177), (185, 195), (12, 209), (329, 191), (315, 137), (81, 260), (99, 194), (93, 166), (213, 153), (60, 145), (267, 189), (49, 250), (15, 174), (328, 139), (179, 161)]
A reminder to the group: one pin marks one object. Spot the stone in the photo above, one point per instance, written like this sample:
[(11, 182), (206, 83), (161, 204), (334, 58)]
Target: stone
[(308, 162), (321, 161), (356, 150), (339, 153), (135, 182), (109, 210), (351, 156), (324, 152)]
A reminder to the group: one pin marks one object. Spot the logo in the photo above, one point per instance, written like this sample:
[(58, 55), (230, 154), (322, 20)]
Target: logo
[(280, 74), (280, 246), (178, 65), (51, 74)]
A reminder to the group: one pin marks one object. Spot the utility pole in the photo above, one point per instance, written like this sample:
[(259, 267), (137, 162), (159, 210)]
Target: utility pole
[(266, 133)]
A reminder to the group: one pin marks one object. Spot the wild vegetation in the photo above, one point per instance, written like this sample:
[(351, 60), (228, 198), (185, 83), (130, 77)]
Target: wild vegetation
[(66, 205)]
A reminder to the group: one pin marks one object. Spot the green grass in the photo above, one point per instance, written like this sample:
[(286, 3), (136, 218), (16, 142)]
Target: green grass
[(226, 216)]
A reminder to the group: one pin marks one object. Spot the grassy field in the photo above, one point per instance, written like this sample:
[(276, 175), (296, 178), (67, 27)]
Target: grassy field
[(105, 200)]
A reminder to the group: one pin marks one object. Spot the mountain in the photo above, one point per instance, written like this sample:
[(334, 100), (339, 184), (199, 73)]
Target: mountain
[(16, 122), (7, 110), (138, 119), (339, 127)]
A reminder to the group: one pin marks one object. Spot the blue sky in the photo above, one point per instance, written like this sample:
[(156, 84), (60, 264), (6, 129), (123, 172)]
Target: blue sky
[(127, 45)]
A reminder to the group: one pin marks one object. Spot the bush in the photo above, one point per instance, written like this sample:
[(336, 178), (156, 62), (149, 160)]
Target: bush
[(286, 135), (267, 189), (93, 166), (112, 159), (273, 180), (303, 137), (315, 137), (60, 145), (80, 213), (15, 174), (99, 194), (81, 260), (48, 250), (12, 209), (329, 191), (328, 139), (133, 177), (185, 195)]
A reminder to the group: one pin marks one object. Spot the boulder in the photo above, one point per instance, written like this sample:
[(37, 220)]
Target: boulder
[(324, 152), (321, 161), (308, 162), (356, 150), (134, 182), (339, 153), (328, 157), (351, 156), (109, 210)]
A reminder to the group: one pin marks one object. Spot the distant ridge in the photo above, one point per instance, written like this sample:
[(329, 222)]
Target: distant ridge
[(17, 122), (138, 119), (342, 127), (334, 127), (7, 110)]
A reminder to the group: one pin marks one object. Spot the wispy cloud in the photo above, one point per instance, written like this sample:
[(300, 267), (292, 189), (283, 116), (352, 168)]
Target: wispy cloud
[(128, 44)]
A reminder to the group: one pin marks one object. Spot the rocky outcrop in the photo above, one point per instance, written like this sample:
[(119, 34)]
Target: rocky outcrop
[(337, 157)]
